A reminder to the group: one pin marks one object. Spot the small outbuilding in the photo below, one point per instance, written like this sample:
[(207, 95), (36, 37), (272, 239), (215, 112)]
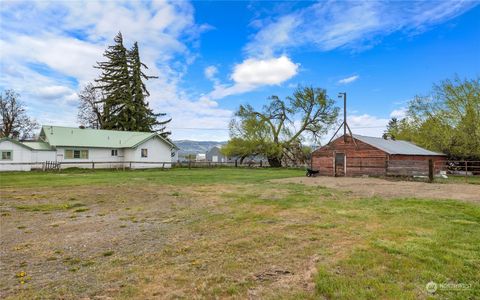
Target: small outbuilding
[(215, 155), (357, 155)]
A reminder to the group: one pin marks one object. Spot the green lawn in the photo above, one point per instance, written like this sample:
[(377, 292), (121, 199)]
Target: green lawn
[(227, 233), (459, 179), (178, 176)]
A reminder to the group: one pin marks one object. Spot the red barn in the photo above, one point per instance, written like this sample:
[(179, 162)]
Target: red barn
[(364, 155)]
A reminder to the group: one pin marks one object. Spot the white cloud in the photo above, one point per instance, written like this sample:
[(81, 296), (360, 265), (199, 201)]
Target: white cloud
[(67, 56), (49, 49), (210, 72), (366, 124), (54, 91), (253, 73), (399, 113), (264, 71), (274, 35), (349, 24), (363, 124), (348, 79)]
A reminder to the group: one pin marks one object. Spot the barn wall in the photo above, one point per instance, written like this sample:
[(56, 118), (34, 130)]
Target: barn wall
[(412, 165), (368, 160), (361, 160)]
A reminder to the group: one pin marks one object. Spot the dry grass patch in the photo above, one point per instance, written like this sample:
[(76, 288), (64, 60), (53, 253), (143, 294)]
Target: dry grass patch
[(229, 239)]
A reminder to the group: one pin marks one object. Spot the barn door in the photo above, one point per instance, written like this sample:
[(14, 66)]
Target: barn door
[(339, 164)]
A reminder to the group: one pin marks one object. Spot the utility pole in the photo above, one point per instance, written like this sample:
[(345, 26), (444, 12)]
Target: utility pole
[(344, 124), (344, 95)]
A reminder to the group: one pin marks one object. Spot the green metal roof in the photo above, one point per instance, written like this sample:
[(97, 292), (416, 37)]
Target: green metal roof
[(98, 138), (5, 139), (37, 145)]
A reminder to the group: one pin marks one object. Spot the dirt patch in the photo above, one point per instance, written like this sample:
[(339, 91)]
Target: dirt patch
[(371, 187)]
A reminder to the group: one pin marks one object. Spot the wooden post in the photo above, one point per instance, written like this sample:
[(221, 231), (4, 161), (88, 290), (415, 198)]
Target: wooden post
[(130, 165), (466, 171), (93, 165), (261, 163), (236, 164), (386, 165), (430, 170)]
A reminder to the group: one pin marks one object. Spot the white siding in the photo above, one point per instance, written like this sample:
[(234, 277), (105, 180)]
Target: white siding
[(101, 156), (158, 151), (19, 155), (43, 156)]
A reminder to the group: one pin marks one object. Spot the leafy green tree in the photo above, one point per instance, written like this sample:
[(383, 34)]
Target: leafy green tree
[(448, 120), (280, 127)]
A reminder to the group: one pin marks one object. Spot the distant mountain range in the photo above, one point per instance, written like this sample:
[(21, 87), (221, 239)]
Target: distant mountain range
[(195, 147)]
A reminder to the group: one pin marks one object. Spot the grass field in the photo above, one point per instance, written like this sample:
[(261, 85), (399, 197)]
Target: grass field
[(227, 233)]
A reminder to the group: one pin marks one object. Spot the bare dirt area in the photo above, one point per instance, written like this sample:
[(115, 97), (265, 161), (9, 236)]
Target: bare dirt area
[(218, 234), (149, 241), (370, 187)]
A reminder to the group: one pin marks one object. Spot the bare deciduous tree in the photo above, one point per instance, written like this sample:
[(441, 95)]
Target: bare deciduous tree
[(90, 109), (15, 122)]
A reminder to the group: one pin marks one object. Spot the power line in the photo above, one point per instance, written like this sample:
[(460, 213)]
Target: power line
[(226, 129), (193, 128), (369, 127)]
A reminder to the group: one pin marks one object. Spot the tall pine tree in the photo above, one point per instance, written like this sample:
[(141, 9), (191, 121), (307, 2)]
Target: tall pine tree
[(144, 117), (114, 82), (121, 82)]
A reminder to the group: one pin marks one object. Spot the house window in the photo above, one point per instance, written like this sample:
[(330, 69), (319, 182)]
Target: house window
[(76, 154), (144, 152), (7, 155), (114, 152)]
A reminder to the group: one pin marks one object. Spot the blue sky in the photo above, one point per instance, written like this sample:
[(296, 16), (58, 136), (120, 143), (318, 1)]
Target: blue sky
[(212, 56)]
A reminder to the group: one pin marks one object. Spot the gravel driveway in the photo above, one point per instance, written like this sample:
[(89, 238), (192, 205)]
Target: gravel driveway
[(393, 189)]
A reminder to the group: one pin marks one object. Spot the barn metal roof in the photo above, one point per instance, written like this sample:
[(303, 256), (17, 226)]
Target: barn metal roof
[(87, 137), (395, 146)]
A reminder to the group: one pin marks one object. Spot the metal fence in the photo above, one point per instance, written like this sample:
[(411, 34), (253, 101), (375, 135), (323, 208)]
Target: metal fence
[(462, 168)]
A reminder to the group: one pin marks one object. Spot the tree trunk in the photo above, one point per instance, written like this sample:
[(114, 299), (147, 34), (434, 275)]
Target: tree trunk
[(275, 162)]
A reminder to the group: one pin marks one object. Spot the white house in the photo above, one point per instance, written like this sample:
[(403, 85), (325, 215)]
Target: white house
[(88, 148)]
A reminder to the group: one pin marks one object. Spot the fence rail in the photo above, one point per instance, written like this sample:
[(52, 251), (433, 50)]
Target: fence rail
[(460, 167), (52, 165)]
